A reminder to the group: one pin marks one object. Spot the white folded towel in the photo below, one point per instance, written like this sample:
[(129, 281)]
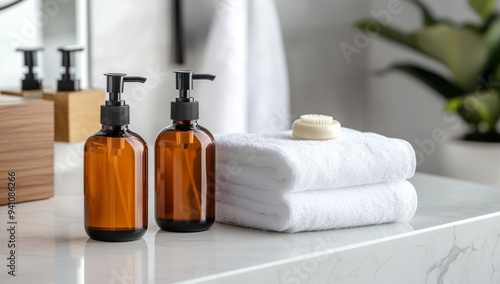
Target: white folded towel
[(281, 163), (318, 209)]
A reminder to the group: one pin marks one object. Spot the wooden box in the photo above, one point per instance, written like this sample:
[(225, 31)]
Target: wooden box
[(26, 148), (33, 94), (76, 114)]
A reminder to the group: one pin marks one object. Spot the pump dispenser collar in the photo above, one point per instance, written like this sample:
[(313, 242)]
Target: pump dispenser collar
[(30, 81), (115, 112), (68, 81), (185, 108)]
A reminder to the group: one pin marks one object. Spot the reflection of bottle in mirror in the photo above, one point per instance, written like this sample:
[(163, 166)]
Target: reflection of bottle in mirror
[(31, 86), (115, 172), (76, 110), (185, 165), (116, 263)]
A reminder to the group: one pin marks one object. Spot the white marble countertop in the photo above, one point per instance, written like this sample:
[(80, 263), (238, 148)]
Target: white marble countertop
[(52, 246)]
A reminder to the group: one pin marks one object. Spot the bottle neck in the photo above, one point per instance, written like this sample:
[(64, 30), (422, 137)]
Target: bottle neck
[(115, 128), (184, 122)]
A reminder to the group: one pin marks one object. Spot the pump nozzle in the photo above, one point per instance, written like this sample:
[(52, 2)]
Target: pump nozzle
[(134, 79), (30, 81), (184, 81), (114, 84), (184, 107), (115, 111), (68, 81), (203, 77)]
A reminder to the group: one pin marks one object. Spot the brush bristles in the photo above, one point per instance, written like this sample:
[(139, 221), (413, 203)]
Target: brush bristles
[(316, 119)]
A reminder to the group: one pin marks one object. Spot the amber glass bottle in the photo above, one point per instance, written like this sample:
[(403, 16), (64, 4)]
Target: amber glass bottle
[(116, 172), (185, 165), (185, 177), (116, 185)]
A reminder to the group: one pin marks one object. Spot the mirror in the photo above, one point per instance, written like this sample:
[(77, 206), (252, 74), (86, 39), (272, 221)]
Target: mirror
[(47, 23)]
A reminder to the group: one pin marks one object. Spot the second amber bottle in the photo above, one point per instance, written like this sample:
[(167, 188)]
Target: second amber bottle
[(185, 165)]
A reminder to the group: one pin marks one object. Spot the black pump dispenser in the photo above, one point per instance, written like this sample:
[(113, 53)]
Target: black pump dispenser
[(30, 81), (184, 107), (115, 112), (68, 81)]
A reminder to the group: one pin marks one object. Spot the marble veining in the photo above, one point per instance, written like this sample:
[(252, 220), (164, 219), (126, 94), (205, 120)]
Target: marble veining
[(464, 253)]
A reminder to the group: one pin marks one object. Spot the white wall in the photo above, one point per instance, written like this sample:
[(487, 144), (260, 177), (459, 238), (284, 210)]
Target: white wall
[(321, 79), (130, 37)]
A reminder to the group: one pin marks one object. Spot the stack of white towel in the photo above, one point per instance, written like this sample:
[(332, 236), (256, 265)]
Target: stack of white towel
[(280, 183)]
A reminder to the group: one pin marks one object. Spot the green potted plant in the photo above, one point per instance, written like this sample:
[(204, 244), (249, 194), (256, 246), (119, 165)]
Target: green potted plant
[(471, 54)]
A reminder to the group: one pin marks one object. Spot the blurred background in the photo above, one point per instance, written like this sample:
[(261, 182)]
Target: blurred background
[(327, 67)]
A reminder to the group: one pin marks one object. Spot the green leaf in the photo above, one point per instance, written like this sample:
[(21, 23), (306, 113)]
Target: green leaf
[(481, 108), (492, 35), (454, 104), (435, 81), (483, 8), (492, 39), (496, 78), (428, 19), (375, 28), (488, 22), (463, 51), (472, 27)]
